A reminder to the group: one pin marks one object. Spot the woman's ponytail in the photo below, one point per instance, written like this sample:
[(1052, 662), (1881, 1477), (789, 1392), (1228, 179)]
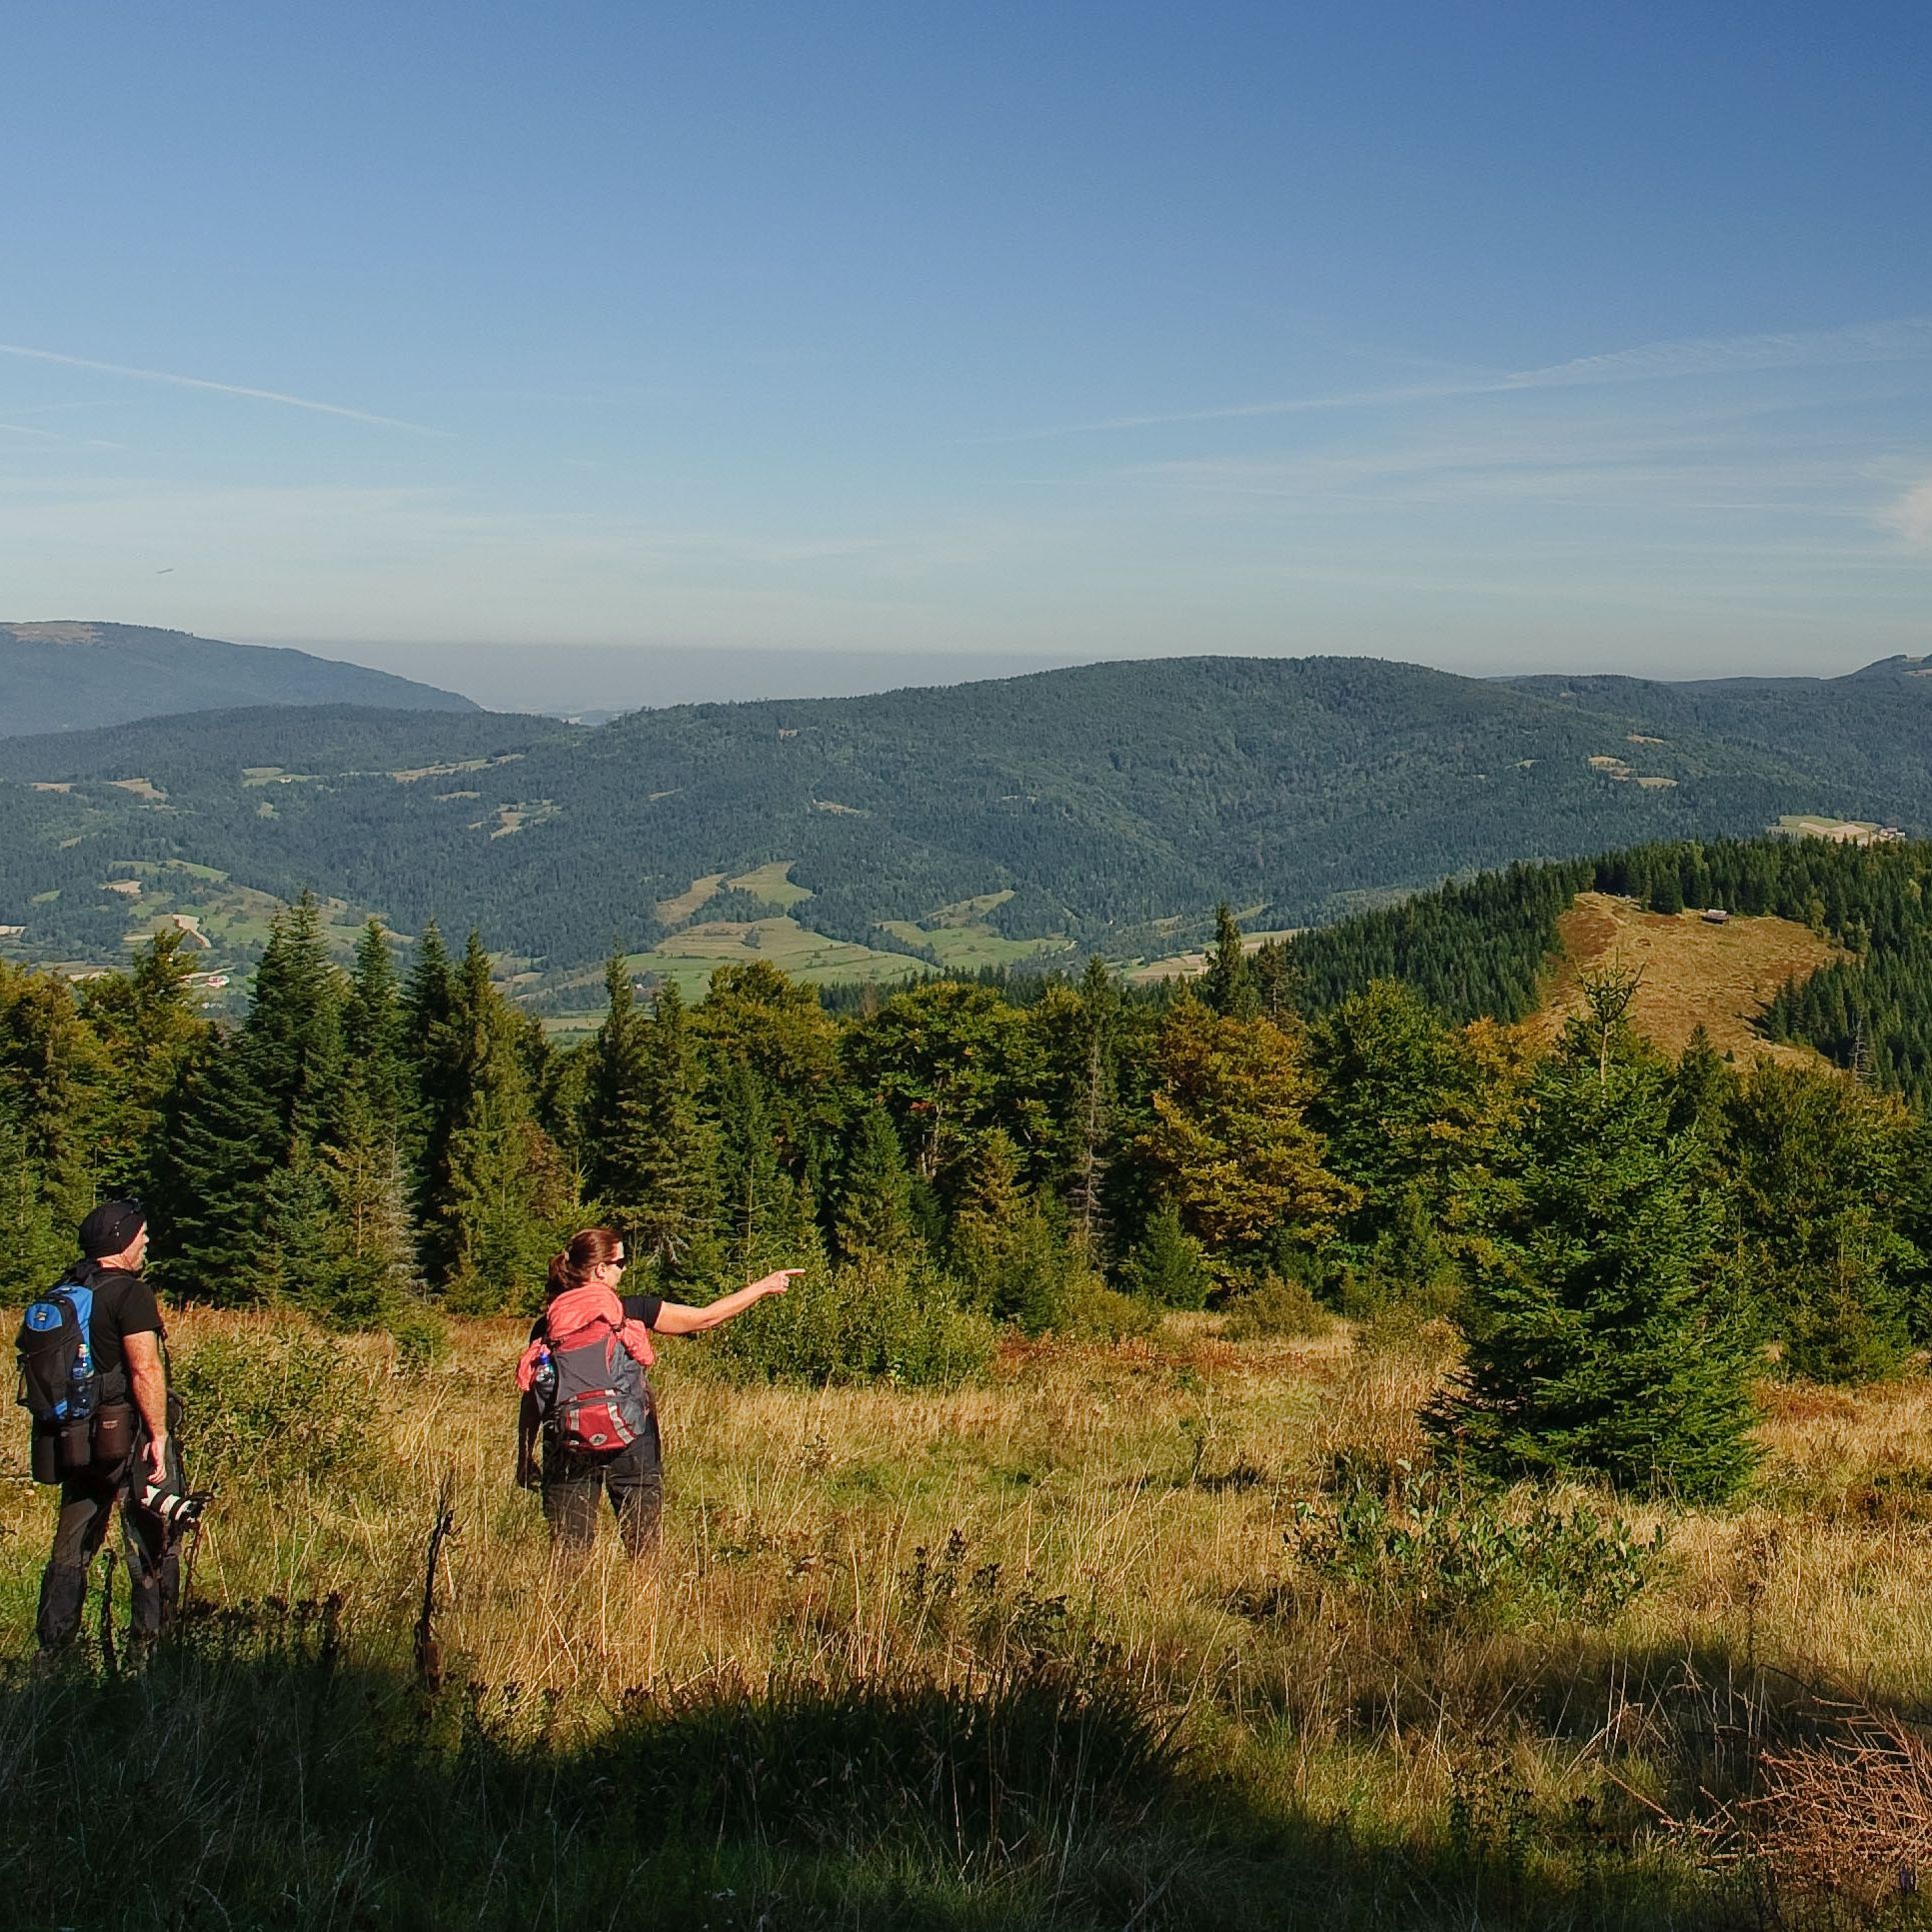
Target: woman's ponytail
[(588, 1248)]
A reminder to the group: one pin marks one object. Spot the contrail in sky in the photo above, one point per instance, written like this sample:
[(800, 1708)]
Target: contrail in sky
[(1905, 340), (219, 388)]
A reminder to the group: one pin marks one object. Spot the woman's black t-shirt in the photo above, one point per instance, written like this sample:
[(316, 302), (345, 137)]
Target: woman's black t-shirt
[(636, 1307)]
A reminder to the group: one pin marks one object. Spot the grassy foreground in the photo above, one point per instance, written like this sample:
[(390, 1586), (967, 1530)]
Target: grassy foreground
[(1168, 1634)]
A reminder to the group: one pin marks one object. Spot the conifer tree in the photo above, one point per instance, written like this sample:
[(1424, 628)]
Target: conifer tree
[(442, 1059), (146, 1023), (294, 1032), (758, 1202), (374, 1030), (1701, 1090), (1005, 1247), (1229, 987), (1095, 1101), (1596, 1339), (508, 1193), (1170, 1268), (1079, 1029), (50, 1080), (673, 1217), (374, 1249), (618, 1134), (219, 1146), (239, 1112), (299, 1252), (36, 1225), (1277, 980), (875, 1218)]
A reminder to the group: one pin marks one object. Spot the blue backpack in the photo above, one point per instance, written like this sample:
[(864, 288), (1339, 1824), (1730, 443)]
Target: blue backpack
[(58, 1380)]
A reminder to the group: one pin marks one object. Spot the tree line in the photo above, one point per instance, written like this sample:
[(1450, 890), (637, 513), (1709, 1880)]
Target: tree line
[(1623, 1238)]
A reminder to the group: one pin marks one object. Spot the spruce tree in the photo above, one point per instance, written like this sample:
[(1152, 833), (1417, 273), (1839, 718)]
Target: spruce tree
[(374, 1248), (1228, 988), (1170, 1268), (760, 1215), (36, 1225), (1597, 1340), (375, 1031), (1094, 1101), (441, 1065), (147, 1024), (294, 1032), (875, 1217), (242, 1107), (616, 1132), (509, 1198), (676, 1170), (1276, 977), (51, 1076), (300, 1253), (1006, 1248)]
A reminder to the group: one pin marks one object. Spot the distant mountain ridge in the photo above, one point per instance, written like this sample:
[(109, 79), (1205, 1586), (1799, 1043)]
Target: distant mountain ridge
[(67, 676), (1111, 805)]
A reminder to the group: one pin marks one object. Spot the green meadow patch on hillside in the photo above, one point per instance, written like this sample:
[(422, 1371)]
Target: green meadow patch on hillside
[(690, 956)]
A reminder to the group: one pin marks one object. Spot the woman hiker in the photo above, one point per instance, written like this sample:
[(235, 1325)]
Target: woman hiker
[(587, 1395)]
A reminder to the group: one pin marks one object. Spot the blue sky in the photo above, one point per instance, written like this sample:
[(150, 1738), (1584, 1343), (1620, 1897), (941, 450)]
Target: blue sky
[(1497, 337)]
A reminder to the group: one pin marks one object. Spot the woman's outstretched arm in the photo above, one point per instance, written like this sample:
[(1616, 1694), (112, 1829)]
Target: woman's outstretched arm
[(674, 1318)]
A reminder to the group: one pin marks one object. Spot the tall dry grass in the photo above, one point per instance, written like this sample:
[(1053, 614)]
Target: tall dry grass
[(1130, 1513)]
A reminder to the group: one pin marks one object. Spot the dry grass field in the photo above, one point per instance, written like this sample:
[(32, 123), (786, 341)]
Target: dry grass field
[(1717, 976), (1165, 1633)]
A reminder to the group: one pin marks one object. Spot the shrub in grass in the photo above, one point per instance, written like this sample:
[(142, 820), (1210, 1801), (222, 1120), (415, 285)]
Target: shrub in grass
[(1275, 1309), (421, 1336), (1438, 1551), (1088, 1310), (272, 1403), (870, 1321)]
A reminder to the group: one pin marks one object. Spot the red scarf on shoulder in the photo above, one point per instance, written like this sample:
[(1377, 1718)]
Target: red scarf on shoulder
[(570, 1318)]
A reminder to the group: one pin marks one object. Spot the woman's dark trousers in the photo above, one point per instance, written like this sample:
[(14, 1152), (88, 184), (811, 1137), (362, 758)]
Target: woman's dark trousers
[(633, 1478)]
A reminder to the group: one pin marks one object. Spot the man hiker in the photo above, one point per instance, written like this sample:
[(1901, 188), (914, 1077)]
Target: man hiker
[(129, 1450)]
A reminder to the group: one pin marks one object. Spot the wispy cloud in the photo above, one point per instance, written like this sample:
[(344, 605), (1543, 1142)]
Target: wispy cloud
[(54, 436), (178, 381), (1907, 339), (1911, 516)]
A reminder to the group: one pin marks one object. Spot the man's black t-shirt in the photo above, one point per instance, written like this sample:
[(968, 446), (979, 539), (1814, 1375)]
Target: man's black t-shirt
[(124, 1305)]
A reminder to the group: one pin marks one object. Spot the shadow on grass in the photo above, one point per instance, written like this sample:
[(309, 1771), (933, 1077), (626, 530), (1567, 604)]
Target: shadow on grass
[(261, 1774)]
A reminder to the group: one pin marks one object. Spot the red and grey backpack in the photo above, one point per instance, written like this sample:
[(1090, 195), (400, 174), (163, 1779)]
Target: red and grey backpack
[(598, 1401)]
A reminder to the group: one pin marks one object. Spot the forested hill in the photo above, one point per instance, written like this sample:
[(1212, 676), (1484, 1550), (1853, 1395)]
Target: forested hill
[(1089, 803), (78, 676), (1485, 946)]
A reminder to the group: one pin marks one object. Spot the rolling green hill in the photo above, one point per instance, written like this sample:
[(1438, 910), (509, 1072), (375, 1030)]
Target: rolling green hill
[(1109, 806), (79, 676)]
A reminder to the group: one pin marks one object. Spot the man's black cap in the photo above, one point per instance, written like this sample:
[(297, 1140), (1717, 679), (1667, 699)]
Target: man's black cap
[(111, 1226)]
